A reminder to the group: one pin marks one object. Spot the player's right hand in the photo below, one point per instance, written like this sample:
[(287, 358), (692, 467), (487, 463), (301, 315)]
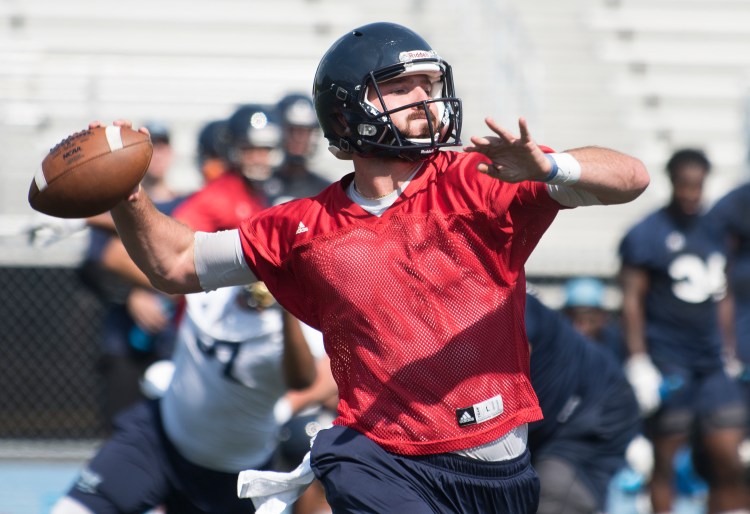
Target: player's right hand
[(513, 158)]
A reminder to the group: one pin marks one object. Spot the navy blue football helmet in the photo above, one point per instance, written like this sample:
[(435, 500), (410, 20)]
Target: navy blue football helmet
[(213, 140), (254, 126), (358, 61), (296, 110)]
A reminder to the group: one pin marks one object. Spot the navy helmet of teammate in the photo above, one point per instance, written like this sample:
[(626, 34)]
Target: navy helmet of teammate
[(300, 128), (293, 178), (213, 149), (254, 133)]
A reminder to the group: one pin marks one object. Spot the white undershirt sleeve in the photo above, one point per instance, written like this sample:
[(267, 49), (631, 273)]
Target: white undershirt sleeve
[(572, 197), (314, 340), (219, 260)]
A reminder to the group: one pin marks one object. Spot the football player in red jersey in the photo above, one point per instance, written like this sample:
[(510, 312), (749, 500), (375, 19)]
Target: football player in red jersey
[(412, 267)]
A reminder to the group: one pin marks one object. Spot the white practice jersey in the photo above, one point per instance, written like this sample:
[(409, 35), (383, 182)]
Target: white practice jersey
[(218, 410)]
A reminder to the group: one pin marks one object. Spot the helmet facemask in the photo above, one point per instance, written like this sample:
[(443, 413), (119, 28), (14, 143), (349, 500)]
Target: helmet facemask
[(362, 61), (378, 135)]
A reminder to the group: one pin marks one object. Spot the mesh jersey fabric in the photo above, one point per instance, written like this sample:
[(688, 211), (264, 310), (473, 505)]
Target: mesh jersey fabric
[(422, 308)]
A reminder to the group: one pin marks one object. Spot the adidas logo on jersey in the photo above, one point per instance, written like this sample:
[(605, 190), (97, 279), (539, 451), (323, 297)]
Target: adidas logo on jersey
[(465, 417), (301, 228), (480, 412)]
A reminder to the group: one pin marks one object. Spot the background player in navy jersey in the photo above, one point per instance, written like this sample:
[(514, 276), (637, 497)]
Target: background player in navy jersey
[(590, 414), (410, 266), (673, 279)]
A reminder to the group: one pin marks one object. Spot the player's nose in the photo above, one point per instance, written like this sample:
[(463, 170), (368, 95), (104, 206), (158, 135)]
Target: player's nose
[(419, 94)]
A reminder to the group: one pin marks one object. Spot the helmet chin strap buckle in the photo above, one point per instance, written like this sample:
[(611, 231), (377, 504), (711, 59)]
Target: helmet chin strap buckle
[(339, 153)]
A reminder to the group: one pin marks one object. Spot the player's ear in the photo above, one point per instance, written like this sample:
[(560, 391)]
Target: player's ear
[(339, 125)]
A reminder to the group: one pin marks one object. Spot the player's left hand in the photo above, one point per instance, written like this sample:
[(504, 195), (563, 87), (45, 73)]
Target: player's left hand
[(43, 230), (733, 367), (514, 159)]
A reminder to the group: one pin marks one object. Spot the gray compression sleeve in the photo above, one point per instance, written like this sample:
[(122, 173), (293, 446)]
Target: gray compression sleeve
[(219, 260)]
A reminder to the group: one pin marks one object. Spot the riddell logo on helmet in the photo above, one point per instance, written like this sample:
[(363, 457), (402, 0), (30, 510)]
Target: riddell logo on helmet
[(416, 54)]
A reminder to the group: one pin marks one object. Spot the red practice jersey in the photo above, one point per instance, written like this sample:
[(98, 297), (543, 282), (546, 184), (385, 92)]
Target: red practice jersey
[(422, 309), (220, 205)]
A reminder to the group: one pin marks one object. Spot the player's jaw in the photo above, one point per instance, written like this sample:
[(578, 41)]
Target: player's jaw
[(413, 122)]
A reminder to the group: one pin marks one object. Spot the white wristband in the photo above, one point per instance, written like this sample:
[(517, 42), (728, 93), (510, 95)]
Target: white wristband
[(566, 170)]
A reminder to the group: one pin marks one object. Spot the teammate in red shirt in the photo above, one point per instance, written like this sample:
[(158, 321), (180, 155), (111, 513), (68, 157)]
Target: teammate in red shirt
[(413, 268), (248, 137)]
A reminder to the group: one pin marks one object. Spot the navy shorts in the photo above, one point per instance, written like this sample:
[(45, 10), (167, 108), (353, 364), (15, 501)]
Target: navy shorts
[(709, 399), (138, 469), (360, 477)]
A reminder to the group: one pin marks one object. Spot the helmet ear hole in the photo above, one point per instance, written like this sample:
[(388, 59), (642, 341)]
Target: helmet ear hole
[(339, 125)]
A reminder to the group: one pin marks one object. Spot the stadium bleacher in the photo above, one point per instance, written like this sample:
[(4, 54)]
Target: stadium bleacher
[(643, 77)]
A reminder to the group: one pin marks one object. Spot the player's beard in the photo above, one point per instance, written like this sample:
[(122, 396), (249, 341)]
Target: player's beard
[(417, 126)]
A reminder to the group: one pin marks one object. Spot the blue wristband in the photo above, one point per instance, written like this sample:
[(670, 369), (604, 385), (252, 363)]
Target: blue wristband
[(555, 169)]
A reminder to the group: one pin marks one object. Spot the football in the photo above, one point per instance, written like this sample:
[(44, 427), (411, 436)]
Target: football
[(90, 171)]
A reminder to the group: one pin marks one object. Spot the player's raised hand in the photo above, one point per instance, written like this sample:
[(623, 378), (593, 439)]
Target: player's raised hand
[(514, 159)]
